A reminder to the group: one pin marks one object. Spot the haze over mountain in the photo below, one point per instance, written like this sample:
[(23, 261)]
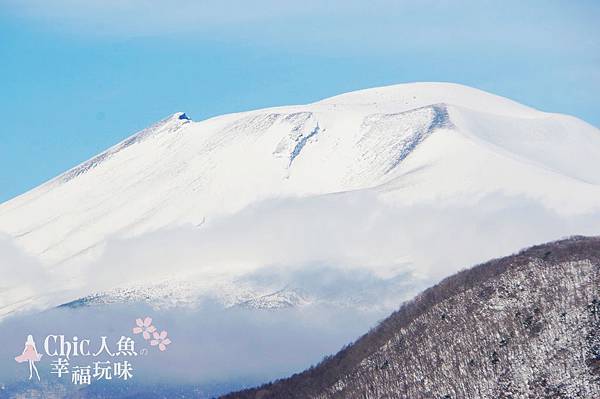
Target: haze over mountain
[(362, 181)]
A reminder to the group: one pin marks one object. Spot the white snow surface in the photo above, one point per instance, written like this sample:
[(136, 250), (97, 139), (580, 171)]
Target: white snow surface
[(439, 147)]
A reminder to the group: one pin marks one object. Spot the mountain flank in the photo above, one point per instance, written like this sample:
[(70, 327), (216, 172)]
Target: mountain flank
[(523, 326)]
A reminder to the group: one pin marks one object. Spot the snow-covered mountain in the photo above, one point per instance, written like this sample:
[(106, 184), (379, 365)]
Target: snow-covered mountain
[(399, 181)]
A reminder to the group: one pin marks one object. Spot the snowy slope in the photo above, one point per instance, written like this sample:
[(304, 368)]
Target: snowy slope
[(431, 145)]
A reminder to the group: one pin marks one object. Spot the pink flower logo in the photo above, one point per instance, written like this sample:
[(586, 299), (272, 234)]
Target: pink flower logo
[(145, 327), (161, 340)]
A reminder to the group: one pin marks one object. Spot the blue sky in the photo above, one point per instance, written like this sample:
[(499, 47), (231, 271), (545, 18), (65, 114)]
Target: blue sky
[(77, 77)]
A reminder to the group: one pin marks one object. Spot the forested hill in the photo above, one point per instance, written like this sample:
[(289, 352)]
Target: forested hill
[(524, 326)]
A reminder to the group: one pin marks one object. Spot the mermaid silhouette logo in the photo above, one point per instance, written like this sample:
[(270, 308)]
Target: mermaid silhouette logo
[(31, 355)]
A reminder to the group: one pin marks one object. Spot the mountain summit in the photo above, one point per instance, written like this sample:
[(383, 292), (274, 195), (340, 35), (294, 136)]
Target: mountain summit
[(425, 152)]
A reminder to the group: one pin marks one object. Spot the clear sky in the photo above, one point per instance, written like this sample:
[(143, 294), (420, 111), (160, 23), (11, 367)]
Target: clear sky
[(78, 76)]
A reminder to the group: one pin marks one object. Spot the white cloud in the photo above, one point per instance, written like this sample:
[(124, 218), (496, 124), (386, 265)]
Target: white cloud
[(347, 232), (24, 282), (331, 246), (150, 16), (381, 26), (344, 233)]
